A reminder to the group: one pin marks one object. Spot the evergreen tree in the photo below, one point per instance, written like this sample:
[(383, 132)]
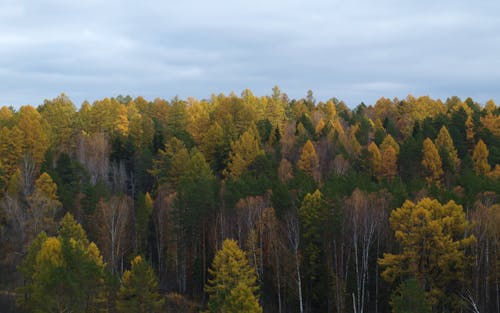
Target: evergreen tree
[(139, 290), (410, 297)]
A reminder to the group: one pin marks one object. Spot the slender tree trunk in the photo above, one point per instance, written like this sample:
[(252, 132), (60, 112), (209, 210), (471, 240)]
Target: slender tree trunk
[(299, 282)]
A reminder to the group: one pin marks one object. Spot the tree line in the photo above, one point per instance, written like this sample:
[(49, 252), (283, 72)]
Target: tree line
[(389, 206)]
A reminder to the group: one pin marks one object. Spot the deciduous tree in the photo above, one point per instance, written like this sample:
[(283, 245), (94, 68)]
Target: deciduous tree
[(232, 287), (431, 163), (480, 158), (433, 248)]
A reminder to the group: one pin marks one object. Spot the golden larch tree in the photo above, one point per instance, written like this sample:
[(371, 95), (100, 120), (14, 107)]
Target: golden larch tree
[(309, 161), (480, 158), (432, 163)]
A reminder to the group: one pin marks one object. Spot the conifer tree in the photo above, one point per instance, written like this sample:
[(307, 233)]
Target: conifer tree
[(389, 163), (446, 148), (233, 287), (309, 162), (375, 160), (431, 163), (63, 273), (410, 297), (480, 158), (433, 244), (139, 290), (243, 153), (389, 141)]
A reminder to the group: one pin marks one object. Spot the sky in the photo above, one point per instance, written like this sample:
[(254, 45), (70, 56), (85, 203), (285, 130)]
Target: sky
[(356, 51)]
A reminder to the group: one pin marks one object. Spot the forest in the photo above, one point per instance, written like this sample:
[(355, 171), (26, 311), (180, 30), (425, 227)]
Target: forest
[(245, 203)]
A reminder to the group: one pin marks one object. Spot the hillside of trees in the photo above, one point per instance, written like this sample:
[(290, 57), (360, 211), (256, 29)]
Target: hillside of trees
[(250, 204)]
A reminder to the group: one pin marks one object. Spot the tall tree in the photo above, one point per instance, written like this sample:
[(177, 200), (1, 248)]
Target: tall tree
[(433, 248), (64, 273), (232, 287), (480, 158), (431, 163), (447, 151), (139, 290), (243, 153), (309, 161), (375, 160), (114, 220)]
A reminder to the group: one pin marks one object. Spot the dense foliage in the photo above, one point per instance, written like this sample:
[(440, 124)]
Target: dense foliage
[(331, 209)]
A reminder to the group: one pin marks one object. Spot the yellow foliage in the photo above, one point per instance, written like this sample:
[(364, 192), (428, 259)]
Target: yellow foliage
[(431, 163), (243, 153), (389, 141), (433, 245), (445, 145), (480, 158), (389, 163), (320, 126), (492, 123), (309, 161), (375, 159), (51, 252)]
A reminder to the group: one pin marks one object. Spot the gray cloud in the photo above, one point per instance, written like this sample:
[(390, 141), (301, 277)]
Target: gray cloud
[(353, 50)]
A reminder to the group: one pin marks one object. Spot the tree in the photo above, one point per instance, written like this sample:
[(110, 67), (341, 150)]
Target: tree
[(114, 217), (309, 161), (375, 159), (389, 168), (389, 141), (410, 298), (480, 158), (431, 163), (34, 139), (60, 115), (447, 151), (432, 248), (139, 290), (43, 205), (243, 153), (232, 288), (63, 273), (366, 213)]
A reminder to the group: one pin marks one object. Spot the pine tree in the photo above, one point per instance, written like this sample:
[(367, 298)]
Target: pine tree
[(233, 286), (139, 290), (480, 158)]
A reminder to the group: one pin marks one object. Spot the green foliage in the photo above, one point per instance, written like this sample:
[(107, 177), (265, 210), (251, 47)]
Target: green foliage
[(233, 286), (139, 290), (410, 298), (63, 273)]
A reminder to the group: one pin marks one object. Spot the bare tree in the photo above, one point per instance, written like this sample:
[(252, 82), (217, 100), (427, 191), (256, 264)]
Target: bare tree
[(293, 235), (115, 215), (93, 152), (366, 215)]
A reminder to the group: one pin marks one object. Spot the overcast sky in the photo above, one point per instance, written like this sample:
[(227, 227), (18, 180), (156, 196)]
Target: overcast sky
[(356, 50)]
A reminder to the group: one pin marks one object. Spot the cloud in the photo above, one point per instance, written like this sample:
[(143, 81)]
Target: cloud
[(353, 50)]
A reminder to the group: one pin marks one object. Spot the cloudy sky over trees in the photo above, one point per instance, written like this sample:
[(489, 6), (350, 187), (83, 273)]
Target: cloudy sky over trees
[(352, 50)]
